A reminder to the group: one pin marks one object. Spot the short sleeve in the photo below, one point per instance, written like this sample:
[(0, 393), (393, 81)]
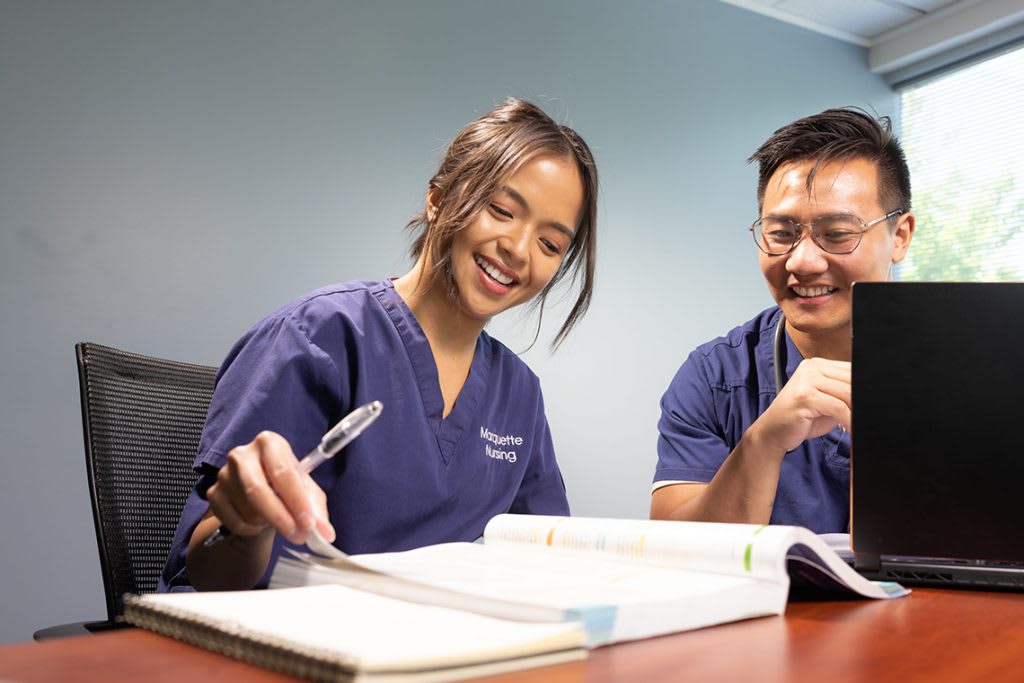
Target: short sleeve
[(542, 491), (273, 379), (691, 441)]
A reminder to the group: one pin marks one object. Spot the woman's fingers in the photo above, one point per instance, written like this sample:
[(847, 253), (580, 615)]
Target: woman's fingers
[(284, 478), (260, 486), (318, 499), (228, 514)]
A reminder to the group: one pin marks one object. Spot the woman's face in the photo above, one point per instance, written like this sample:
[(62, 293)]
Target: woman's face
[(513, 248)]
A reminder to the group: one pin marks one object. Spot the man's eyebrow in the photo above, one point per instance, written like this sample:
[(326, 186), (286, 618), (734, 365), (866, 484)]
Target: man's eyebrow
[(820, 216), (521, 201)]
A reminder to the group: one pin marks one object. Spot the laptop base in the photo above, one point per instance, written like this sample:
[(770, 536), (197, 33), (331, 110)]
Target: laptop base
[(952, 574)]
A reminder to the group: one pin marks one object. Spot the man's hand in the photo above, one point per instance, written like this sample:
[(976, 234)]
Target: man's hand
[(815, 399)]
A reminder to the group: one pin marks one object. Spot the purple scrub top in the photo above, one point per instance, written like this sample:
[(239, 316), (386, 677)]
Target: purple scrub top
[(721, 389), (412, 478)]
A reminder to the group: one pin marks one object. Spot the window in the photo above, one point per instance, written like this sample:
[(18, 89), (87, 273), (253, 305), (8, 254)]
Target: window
[(964, 140)]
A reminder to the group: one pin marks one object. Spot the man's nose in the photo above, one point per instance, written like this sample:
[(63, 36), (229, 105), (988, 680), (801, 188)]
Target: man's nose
[(807, 256)]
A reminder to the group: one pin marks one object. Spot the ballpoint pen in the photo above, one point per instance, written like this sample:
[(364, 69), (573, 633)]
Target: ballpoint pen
[(339, 436)]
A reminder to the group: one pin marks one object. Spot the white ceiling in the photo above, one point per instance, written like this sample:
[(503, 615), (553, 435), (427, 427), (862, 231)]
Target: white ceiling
[(862, 22), (900, 34)]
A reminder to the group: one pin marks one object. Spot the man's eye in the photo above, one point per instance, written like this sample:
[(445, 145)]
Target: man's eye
[(782, 235), (500, 211), (839, 235)]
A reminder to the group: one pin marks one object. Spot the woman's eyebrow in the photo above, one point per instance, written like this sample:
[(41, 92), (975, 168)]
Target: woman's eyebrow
[(516, 197), (521, 201)]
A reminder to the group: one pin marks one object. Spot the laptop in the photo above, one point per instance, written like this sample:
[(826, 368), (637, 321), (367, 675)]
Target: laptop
[(937, 465)]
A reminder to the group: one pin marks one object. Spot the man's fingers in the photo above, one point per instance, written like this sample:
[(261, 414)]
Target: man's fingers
[(837, 370), (836, 389), (833, 369), (840, 410)]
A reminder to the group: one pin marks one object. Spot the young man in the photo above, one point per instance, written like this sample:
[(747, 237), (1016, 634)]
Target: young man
[(739, 441)]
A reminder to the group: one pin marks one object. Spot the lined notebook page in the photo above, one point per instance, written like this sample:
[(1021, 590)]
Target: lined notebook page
[(369, 631)]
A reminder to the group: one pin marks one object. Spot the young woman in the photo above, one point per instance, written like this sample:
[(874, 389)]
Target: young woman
[(462, 437)]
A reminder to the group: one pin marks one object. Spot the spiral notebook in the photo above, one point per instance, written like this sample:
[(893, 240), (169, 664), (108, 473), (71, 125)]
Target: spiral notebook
[(336, 633)]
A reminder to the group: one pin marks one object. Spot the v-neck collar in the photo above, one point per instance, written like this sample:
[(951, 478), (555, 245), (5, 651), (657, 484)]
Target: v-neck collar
[(447, 430)]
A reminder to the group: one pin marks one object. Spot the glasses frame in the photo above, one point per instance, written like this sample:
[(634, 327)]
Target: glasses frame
[(814, 233)]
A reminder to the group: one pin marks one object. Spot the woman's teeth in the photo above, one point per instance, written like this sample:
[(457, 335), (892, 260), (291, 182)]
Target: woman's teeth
[(495, 274)]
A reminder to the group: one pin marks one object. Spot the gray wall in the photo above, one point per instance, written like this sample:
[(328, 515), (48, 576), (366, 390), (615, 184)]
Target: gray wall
[(172, 171)]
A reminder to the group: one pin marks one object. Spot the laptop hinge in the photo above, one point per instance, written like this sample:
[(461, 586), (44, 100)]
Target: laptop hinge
[(864, 562)]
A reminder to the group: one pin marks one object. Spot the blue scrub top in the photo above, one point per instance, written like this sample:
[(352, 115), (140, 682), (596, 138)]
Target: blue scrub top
[(721, 389), (412, 478)]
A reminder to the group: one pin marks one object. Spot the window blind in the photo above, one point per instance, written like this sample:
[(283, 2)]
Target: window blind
[(964, 141)]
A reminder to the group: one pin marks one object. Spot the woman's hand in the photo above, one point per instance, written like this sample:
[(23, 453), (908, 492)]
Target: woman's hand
[(260, 487)]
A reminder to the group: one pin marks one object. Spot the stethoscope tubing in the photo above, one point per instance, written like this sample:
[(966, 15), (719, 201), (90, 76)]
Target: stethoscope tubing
[(779, 353), (779, 356)]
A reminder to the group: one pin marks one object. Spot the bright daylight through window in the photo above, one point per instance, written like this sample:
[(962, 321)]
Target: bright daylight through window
[(964, 140)]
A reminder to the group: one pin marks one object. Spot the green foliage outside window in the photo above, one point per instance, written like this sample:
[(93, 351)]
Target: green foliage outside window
[(965, 146)]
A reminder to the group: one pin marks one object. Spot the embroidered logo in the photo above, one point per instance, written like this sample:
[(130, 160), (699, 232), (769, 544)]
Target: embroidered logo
[(500, 447)]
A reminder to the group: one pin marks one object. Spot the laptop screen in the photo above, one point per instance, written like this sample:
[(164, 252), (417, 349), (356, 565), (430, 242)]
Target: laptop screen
[(938, 420)]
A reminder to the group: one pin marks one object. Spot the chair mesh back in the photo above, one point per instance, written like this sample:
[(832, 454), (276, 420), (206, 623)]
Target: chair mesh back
[(142, 419)]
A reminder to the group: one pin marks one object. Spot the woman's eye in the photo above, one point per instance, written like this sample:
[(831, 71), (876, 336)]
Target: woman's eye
[(500, 211), (551, 246)]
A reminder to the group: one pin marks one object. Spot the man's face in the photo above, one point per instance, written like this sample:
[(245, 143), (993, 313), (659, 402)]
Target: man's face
[(813, 287)]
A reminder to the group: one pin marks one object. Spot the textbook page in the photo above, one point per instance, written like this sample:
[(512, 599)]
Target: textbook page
[(771, 552), (738, 549), (624, 579), (614, 600), (840, 545), (334, 628), (775, 553)]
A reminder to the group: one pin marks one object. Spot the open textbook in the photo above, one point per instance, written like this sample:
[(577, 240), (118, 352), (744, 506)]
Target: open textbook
[(622, 579), (336, 633)]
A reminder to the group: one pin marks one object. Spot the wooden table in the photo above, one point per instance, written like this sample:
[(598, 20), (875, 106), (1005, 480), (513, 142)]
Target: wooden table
[(932, 635)]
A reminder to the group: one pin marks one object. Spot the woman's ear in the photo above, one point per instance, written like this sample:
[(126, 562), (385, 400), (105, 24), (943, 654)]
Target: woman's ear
[(431, 205)]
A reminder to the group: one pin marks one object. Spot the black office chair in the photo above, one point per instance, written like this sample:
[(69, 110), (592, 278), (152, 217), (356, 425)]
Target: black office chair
[(142, 418)]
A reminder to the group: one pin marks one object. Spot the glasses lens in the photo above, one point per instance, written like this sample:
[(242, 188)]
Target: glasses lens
[(775, 236), (838, 235)]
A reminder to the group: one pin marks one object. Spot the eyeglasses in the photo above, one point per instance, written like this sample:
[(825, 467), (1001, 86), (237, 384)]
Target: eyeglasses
[(836, 234)]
